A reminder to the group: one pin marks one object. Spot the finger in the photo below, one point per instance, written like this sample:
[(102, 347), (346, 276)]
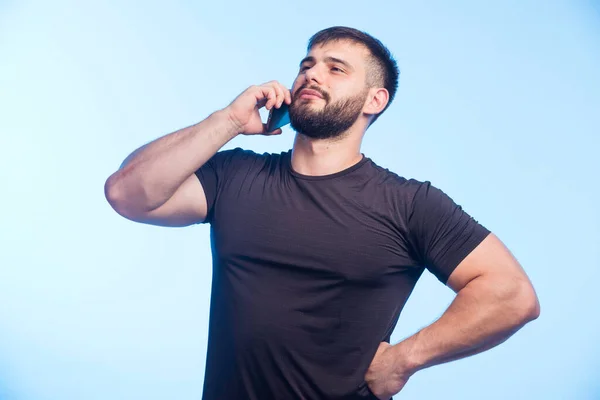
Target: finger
[(280, 95), (288, 96), (261, 94), (264, 95), (279, 91), (271, 97), (276, 96)]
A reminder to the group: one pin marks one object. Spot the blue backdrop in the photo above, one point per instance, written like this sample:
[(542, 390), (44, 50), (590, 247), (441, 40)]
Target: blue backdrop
[(498, 105)]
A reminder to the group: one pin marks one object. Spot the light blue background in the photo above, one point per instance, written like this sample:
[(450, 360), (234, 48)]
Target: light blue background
[(498, 105)]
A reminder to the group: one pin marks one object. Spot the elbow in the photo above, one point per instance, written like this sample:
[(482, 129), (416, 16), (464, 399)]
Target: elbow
[(515, 299), (115, 195), (128, 198), (526, 304), (112, 193), (533, 312)]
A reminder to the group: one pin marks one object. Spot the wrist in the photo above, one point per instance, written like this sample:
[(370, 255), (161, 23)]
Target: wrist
[(407, 360), (232, 126)]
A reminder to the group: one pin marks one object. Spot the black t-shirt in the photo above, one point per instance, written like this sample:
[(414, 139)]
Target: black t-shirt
[(310, 273)]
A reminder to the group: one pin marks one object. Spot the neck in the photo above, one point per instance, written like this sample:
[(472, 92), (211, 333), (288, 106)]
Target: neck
[(317, 157)]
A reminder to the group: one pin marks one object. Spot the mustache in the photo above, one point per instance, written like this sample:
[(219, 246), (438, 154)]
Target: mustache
[(315, 88)]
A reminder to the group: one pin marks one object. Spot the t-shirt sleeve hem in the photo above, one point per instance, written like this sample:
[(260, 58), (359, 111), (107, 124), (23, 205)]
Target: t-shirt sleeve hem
[(207, 188), (474, 240)]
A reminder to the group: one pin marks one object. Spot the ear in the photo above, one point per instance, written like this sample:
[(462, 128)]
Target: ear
[(376, 101)]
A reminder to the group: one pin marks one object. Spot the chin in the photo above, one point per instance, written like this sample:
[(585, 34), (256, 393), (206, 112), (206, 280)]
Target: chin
[(311, 104)]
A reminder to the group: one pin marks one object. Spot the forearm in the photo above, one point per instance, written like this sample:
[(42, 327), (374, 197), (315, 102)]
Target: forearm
[(480, 317), (150, 175)]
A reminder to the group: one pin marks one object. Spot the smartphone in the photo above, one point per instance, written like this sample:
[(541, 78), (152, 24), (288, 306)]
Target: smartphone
[(278, 117)]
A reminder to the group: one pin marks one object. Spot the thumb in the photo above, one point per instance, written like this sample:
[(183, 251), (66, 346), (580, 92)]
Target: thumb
[(275, 132)]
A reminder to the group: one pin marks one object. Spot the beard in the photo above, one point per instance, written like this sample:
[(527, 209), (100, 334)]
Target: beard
[(329, 122)]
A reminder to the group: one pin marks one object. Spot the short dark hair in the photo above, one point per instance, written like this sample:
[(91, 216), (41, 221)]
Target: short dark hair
[(385, 71)]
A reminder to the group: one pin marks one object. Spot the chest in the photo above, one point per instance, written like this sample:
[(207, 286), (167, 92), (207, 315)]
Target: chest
[(327, 234)]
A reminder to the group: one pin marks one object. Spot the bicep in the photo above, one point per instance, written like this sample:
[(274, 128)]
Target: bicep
[(490, 258), (187, 206)]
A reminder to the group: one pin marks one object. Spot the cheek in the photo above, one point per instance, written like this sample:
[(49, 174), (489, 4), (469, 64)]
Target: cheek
[(297, 83)]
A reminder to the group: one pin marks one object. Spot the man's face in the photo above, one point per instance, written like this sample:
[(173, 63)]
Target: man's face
[(330, 90)]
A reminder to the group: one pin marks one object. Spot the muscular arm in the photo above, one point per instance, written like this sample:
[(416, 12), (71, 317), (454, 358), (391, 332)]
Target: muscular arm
[(494, 300), (156, 183)]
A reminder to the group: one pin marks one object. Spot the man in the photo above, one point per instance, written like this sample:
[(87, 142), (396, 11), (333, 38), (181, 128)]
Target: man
[(316, 250)]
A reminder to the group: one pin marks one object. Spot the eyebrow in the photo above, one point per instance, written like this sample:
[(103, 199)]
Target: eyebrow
[(328, 59)]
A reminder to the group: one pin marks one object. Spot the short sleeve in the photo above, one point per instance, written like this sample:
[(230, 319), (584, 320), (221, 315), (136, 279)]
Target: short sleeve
[(213, 173), (441, 231)]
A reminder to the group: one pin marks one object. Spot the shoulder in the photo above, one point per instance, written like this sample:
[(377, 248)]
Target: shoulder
[(240, 155), (406, 194), (396, 183)]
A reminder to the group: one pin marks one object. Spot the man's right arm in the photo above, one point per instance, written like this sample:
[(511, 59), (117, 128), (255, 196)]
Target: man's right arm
[(157, 185)]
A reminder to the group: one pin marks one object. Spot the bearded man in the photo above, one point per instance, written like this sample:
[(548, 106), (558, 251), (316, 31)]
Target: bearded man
[(317, 249)]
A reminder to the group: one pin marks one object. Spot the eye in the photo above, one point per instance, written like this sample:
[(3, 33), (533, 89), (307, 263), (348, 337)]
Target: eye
[(337, 69), (304, 68)]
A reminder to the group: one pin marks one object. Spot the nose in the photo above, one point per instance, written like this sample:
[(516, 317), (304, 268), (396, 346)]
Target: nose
[(313, 75)]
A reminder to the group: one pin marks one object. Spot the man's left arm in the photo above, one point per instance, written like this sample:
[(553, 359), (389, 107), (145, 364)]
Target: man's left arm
[(494, 300)]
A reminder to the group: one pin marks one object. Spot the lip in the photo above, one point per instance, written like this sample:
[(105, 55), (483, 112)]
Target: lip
[(310, 94)]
